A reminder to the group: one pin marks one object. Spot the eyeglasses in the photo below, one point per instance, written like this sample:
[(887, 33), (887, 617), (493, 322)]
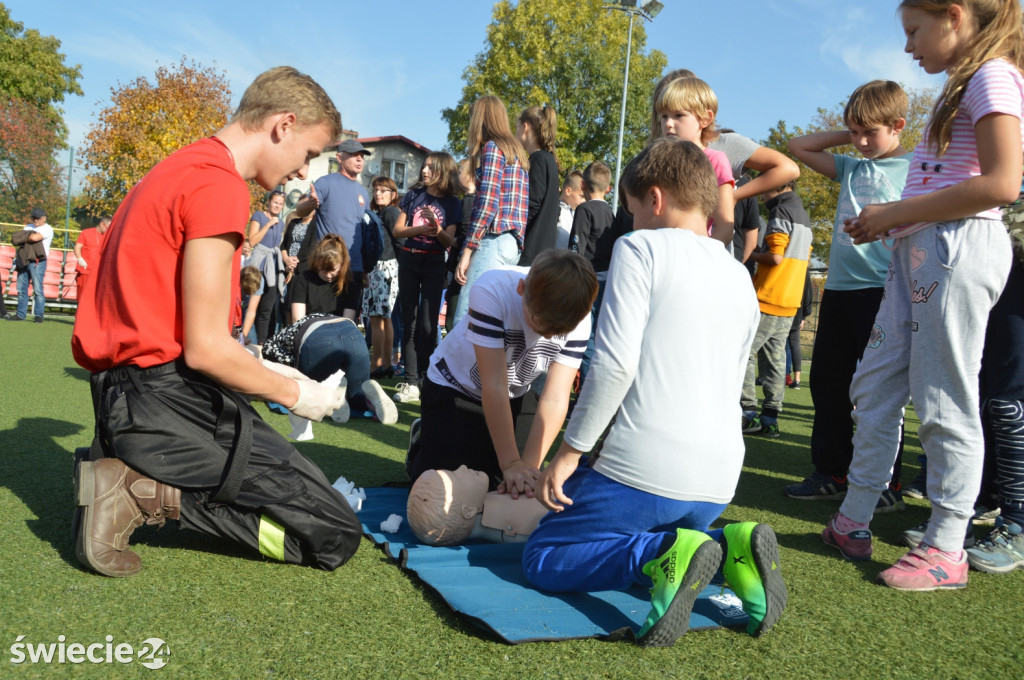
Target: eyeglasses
[(381, 191)]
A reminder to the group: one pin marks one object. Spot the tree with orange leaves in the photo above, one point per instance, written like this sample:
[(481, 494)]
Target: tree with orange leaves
[(145, 123)]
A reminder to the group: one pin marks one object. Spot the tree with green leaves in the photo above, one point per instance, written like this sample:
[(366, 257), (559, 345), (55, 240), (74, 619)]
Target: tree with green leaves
[(820, 194), (32, 69), (571, 56)]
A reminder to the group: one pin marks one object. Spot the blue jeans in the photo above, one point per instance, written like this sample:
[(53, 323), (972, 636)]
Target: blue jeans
[(337, 345), (588, 354), (603, 540), (36, 270), (493, 252)]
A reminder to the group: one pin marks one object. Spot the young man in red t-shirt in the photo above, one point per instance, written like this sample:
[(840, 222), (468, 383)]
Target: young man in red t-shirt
[(87, 250), (175, 438)]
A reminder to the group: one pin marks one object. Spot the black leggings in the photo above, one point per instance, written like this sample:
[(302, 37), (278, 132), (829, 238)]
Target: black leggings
[(266, 315), (845, 319), (420, 289)]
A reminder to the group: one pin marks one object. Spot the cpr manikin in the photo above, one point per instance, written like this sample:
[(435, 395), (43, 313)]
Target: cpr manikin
[(448, 507)]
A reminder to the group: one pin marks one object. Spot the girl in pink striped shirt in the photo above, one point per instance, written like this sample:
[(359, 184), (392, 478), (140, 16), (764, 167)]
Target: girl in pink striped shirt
[(950, 260)]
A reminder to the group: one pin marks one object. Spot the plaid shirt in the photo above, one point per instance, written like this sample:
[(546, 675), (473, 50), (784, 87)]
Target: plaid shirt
[(502, 197)]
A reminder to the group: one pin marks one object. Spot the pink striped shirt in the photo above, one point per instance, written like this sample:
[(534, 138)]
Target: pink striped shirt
[(997, 87)]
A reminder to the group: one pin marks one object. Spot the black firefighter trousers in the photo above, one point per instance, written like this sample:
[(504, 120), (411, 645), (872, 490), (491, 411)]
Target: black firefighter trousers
[(239, 478)]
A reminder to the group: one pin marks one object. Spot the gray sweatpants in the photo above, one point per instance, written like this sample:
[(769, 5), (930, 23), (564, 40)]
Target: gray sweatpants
[(771, 334), (926, 344)]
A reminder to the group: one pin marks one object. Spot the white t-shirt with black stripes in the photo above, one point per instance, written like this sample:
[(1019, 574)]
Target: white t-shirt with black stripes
[(496, 320)]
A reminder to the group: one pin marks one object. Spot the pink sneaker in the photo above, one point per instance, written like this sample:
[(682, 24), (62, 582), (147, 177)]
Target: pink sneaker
[(924, 568), (855, 545)]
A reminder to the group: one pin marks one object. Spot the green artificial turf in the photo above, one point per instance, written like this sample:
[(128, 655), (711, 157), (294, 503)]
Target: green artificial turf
[(225, 613)]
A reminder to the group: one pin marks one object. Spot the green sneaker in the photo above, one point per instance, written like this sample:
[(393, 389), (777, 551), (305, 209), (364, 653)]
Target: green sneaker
[(751, 568), (679, 575)]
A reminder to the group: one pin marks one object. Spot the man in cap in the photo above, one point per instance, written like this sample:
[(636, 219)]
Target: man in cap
[(36, 269), (342, 202)]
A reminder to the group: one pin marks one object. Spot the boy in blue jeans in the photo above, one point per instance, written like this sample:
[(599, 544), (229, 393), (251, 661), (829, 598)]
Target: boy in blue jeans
[(672, 343)]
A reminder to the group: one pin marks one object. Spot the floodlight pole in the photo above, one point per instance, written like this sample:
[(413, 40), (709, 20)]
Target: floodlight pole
[(622, 117), (67, 213), (632, 10)]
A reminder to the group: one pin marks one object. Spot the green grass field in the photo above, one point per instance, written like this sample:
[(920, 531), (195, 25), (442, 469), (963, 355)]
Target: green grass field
[(225, 613)]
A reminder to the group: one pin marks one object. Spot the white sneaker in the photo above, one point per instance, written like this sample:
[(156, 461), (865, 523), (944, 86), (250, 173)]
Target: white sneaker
[(383, 407), (407, 392), (341, 415)]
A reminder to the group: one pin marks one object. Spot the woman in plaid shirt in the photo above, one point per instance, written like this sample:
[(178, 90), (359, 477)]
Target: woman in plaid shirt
[(502, 198)]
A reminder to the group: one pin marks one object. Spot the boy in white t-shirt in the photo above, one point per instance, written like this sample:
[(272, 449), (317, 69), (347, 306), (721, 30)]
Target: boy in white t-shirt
[(673, 338), (521, 322)]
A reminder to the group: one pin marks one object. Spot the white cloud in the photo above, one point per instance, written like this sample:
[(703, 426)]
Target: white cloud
[(889, 63)]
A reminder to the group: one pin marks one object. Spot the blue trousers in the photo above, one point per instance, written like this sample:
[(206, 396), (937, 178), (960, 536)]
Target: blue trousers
[(1002, 394), (333, 346), (35, 272), (493, 251), (603, 540), (588, 354)]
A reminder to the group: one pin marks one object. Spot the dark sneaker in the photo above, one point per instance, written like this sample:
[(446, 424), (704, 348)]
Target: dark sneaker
[(985, 515), (769, 429), (38, 319), (919, 487), (913, 537), (414, 436), (751, 568), (751, 424), (855, 545), (818, 487), (679, 576), (891, 500), (794, 386)]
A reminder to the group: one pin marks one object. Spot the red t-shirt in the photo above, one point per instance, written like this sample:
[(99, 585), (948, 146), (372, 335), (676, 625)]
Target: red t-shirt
[(91, 241), (132, 314)]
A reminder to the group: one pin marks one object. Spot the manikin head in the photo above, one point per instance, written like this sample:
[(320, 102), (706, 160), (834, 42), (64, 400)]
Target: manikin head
[(443, 505)]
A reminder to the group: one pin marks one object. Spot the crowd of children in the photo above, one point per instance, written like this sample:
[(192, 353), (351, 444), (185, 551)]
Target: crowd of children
[(663, 322)]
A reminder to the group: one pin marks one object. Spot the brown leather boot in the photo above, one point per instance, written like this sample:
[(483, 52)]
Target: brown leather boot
[(114, 500)]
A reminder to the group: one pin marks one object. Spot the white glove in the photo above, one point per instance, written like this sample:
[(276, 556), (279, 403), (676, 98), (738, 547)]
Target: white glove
[(317, 400), (285, 370)]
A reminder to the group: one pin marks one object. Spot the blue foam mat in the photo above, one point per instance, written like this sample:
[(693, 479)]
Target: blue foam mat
[(485, 583)]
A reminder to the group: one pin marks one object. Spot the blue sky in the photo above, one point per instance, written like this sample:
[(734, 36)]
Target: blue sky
[(392, 65)]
